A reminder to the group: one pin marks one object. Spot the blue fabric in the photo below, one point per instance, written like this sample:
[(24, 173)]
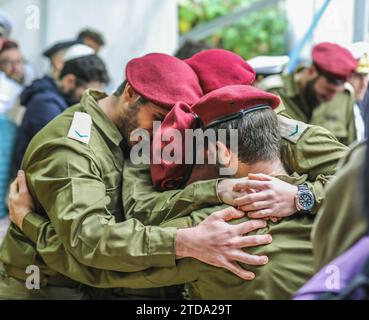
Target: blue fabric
[(364, 108), (7, 138), (43, 101)]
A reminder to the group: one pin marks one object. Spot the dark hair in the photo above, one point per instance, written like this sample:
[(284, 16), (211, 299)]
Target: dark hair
[(86, 69), (258, 136), (94, 35), (119, 91), (9, 44), (189, 48)]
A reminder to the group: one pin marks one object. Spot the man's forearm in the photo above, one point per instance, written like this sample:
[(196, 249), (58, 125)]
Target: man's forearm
[(143, 202)]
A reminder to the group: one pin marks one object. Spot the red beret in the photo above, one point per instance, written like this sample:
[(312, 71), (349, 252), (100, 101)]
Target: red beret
[(9, 44), (163, 79), (334, 60), (220, 105), (217, 68)]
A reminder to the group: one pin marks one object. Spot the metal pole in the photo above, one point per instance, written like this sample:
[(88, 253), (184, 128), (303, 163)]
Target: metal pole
[(361, 11)]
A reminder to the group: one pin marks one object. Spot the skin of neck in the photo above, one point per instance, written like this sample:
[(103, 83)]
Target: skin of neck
[(209, 171), (271, 168), (109, 106)]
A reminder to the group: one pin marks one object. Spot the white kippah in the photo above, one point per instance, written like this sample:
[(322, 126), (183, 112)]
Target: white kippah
[(268, 64), (78, 51), (5, 22), (358, 49)]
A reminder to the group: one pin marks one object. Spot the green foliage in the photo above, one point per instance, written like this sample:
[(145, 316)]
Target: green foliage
[(263, 32)]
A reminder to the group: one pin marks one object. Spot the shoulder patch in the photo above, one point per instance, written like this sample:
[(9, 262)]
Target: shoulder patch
[(349, 88), (271, 82), (80, 128), (291, 129)]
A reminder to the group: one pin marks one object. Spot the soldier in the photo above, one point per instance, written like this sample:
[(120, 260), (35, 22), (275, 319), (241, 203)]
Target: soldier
[(340, 222), (305, 149), (291, 265), (340, 236), (74, 170), (359, 81), (319, 94)]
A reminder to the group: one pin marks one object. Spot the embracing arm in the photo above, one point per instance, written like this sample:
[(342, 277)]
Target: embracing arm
[(151, 207), (208, 242)]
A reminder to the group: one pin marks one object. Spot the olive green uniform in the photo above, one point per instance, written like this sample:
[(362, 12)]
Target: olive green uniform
[(290, 264), (308, 149), (337, 115), (340, 221), (77, 184)]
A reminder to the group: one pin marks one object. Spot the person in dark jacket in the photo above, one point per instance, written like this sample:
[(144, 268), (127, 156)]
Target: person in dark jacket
[(46, 98)]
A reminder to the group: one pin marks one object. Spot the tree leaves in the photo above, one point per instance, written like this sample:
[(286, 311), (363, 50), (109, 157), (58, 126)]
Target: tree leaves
[(261, 33)]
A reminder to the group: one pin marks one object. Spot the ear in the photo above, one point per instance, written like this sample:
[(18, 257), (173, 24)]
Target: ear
[(69, 81), (312, 71), (224, 155), (129, 94)]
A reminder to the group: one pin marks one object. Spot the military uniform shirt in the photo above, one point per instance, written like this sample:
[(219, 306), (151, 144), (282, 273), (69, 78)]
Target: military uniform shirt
[(337, 115), (75, 176)]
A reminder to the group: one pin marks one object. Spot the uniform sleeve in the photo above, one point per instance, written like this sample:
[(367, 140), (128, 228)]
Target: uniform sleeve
[(352, 136), (317, 153), (70, 190), (143, 202), (53, 252), (340, 224)]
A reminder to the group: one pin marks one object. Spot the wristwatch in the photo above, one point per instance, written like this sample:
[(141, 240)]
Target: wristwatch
[(304, 199)]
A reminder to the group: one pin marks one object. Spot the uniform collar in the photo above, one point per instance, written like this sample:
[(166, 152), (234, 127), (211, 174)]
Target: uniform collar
[(290, 84), (89, 103)]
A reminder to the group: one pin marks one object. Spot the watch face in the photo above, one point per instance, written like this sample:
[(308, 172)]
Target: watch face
[(306, 200)]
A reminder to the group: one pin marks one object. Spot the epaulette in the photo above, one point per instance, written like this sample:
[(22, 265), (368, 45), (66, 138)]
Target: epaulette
[(80, 128), (291, 129)]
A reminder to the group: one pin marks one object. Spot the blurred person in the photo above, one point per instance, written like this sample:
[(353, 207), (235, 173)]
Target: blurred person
[(359, 81), (266, 66), (189, 48), (46, 98), (55, 54), (318, 94), (91, 38), (341, 234), (13, 64), (11, 61), (5, 27)]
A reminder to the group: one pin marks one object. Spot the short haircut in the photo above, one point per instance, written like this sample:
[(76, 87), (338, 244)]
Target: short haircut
[(258, 136), (94, 35), (189, 48), (86, 69), (119, 91)]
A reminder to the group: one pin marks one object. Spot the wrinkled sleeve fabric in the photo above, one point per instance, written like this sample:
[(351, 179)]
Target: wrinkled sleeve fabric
[(143, 202), (70, 190)]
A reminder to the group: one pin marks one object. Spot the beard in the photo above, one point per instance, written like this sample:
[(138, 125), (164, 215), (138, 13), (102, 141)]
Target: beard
[(129, 122), (311, 95), (71, 98)]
